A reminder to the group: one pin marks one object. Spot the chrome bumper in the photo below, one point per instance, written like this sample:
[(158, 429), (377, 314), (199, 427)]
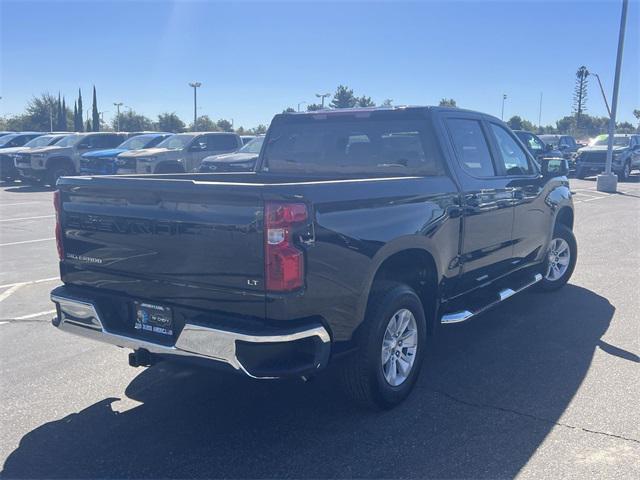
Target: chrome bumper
[(81, 317)]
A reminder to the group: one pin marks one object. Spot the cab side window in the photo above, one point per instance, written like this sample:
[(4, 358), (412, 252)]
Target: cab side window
[(514, 158), (471, 146)]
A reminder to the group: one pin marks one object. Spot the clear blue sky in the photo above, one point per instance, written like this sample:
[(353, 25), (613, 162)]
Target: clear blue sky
[(255, 59)]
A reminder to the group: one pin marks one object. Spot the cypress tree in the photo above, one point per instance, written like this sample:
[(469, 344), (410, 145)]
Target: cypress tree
[(80, 112), (88, 127), (94, 112), (75, 117), (65, 126), (59, 114)]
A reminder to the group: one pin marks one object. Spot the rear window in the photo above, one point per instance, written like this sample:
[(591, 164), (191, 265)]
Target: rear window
[(350, 145)]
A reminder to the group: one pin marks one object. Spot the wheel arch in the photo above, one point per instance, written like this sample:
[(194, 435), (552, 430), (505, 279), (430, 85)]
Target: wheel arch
[(565, 217), (60, 159), (414, 266)]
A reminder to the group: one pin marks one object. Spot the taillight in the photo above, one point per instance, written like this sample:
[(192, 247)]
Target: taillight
[(284, 262), (57, 203)]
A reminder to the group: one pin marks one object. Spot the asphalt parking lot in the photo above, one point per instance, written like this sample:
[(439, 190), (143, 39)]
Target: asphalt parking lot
[(546, 385)]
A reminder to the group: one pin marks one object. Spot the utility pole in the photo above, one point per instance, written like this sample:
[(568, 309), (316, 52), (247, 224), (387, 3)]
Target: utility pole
[(540, 112), (300, 103), (118, 105), (504, 97), (604, 97), (322, 96), (195, 86), (608, 182)]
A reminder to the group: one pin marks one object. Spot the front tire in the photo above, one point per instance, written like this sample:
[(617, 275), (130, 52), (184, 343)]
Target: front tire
[(561, 259), (385, 367), (625, 173), (55, 171)]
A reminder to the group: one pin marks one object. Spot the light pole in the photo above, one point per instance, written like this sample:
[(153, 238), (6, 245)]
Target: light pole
[(118, 105), (504, 97), (608, 182), (195, 86), (300, 103), (322, 96), (604, 97)]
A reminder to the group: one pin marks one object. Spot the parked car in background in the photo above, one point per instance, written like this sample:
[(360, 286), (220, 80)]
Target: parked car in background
[(47, 164), (247, 138), (536, 146), (181, 152), (626, 156), (7, 143), (103, 162), (361, 233), (2, 134), (8, 156), (241, 161), (566, 144)]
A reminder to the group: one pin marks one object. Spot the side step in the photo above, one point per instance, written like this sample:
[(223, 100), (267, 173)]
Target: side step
[(464, 315)]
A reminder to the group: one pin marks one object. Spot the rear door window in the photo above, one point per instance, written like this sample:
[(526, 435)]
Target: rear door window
[(221, 142), (514, 158), (471, 146)]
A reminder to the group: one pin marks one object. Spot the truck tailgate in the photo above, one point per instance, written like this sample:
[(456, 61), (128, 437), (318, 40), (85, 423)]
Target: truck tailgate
[(180, 242)]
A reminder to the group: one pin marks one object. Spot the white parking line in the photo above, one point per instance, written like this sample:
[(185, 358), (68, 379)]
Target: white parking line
[(26, 218), (21, 203), (27, 241), (34, 315), (42, 280), (9, 292)]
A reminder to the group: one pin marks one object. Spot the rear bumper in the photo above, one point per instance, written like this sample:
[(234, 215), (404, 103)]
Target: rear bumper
[(295, 352)]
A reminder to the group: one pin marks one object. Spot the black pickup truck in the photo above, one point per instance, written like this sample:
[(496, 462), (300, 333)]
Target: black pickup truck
[(360, 233)]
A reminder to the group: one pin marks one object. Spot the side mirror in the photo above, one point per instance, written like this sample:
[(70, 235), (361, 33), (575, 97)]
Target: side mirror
[(555, 167)]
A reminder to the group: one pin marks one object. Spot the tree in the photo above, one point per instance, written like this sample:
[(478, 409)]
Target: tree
[(259, 130), (289, 110), (365, 101), (625, 127), (314, 107), (75, 116), (387, 103), (580, 94), (224, 125), (515, 123), (343, 98), (95, 116), (448, 102), (87, 127), (205, 124), (65, 115), (170, 122), (130, 121), (59, 115), (80, 112)]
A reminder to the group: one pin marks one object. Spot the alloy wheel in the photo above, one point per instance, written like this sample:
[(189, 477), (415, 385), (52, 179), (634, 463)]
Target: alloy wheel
[(558, 259), (399, 346)]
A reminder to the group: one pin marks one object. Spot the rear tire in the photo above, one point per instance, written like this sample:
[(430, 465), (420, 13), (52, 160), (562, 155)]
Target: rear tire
[(367, 378), (561, 259)]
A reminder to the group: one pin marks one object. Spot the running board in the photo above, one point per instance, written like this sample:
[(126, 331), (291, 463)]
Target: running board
[(464, 315)]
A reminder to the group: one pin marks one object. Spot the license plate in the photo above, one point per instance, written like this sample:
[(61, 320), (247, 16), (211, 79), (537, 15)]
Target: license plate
[(153, 318)]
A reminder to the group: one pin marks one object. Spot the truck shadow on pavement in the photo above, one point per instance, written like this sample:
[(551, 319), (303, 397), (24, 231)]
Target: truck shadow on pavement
[(490, 392)]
